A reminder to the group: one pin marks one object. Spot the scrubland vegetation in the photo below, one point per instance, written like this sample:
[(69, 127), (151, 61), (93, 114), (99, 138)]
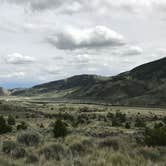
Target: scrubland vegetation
[(47, 134)]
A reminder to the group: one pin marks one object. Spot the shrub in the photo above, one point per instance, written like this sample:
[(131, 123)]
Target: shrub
[(31, 159), (155, 117), (158, 125), (85, 109), (18, 153), (77, 148), (164, 120), (140, 123), (121, 117), (127, 125), (60, 129), (117, 119), (67, 116), (109, 143), (11, 148), (4, 128), (54, 151), (8, 146), (11, 120), (29, 139), (41, 125), (81, 119), (79, 145), (22, 126), (116, 123), (150, 153), (16, 116), (110, 115), (156, 136)]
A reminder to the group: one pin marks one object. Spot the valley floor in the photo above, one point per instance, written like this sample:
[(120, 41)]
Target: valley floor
[(65, 134)]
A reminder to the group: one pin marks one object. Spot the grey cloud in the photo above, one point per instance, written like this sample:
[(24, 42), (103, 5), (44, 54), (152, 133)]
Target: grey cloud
[(133, 50), (97, 37), (39, 5), (71, 6)]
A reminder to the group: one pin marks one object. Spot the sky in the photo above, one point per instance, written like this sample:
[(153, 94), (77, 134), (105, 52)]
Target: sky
[(46, 40)]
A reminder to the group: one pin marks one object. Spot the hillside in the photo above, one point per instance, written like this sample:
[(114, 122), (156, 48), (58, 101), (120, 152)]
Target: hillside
[(145, 85), (4, 92)]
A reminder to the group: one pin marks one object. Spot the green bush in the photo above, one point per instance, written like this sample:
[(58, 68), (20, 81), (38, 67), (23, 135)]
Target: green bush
[(120, 116), (164, 120), (4, 128), (158, 125), (22, 126), (127, 125), (11, 120), (60, 129), (116, 123), (110, 115), (85, 109), (28, 139), (139, 123), (31, 159), (117, 119), (156, 136)]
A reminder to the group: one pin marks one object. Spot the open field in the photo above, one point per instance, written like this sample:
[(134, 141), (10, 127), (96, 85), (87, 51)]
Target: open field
[(88, 134)]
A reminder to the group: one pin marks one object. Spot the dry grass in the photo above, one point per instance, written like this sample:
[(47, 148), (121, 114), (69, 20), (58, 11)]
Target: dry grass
[(91, 141)]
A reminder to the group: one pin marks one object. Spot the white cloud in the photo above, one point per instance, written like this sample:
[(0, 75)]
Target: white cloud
[(133, 50), (83, 58), (17, 58), (161, 51), (102, 6), (97, 37), (141, 7), (52, 70), (13, 75)]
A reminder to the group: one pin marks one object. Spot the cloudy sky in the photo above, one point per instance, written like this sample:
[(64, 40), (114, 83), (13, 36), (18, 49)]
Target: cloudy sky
[(45, 40)]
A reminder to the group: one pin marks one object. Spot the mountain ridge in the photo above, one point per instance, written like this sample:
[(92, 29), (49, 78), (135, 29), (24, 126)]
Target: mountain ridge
[(144, 85)]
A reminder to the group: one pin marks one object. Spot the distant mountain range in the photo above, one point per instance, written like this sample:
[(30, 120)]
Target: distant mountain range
[(145, 85)]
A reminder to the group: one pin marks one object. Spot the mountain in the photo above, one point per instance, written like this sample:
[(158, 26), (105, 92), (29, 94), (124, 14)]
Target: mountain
[(70, 84), (4, 92), (144, 85)]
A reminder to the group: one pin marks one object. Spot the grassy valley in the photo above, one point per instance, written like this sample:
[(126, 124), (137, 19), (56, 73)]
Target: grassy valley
[(46, 133), (87, 120)]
